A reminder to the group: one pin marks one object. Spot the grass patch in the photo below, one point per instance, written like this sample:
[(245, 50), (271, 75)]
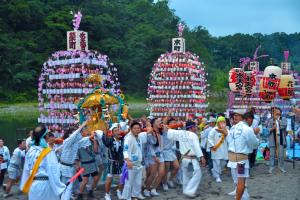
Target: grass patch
[(217, 104)]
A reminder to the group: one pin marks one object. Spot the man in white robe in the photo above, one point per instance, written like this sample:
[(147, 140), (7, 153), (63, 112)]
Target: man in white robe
[(241, 139), (204, 145), (46, 183), (218, 146), (67, 158), (133, 145), (191, 156)]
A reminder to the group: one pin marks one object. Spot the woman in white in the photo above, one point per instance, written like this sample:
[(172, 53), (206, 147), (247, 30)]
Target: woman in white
[(46, 183), (218, 146)]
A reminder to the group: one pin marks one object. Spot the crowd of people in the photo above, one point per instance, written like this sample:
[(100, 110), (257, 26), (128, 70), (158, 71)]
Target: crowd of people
[(143, 156)]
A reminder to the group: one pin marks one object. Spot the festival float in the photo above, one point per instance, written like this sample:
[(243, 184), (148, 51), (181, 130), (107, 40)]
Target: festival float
[(274, 86), (72, 74), (178, 84)]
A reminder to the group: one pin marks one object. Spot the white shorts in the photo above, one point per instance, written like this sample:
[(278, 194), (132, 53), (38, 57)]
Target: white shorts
[(13, 173), (169, 156)]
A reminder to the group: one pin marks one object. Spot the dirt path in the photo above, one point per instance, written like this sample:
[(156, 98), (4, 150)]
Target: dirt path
[(262, 185)]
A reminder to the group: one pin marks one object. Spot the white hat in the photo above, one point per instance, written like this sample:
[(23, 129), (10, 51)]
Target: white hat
[(211, 120), (150, 117), (99, 134), (124, 125), (240, 111), (113, 126)]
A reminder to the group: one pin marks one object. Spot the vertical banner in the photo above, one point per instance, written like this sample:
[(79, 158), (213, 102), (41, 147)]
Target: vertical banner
[(77, 40)]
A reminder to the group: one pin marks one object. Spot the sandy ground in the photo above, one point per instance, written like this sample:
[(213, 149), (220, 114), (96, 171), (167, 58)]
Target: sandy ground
[(276, 186)]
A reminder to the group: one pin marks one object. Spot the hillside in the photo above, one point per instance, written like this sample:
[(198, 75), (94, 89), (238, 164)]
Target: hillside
[(133, 33)]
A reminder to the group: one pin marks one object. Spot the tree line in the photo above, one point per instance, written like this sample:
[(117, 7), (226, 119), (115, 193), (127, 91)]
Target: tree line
[(133, 33)]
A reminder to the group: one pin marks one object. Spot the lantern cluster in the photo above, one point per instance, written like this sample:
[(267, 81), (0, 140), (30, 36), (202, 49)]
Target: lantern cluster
[(274, 81), (242, 82), (268, 83), (62, 84), (177, 83)]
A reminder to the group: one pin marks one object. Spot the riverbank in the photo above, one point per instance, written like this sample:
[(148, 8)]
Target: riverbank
[(17, 119)]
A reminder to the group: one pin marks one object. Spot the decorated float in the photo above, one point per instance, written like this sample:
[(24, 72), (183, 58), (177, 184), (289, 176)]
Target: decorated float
[(178, 84), (66, 78), (274, 86)]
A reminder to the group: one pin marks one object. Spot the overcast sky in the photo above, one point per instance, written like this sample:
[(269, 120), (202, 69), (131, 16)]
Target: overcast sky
[(225, 17)]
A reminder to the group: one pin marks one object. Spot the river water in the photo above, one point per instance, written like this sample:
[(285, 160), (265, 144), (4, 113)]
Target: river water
[(17, 121)]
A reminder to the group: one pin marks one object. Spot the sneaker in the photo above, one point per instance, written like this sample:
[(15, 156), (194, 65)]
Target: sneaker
[(282, 170), (140, 197), (73, 196), (189, 195), (271, 170), (233, 193), (119, 194), (147, 193), (107, 197), (154, 193), (218, 180), (165, 187), (171, 184), (7, 195)]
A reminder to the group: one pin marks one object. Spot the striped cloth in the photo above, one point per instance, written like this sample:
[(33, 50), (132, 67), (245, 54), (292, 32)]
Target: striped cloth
[(69, 153)]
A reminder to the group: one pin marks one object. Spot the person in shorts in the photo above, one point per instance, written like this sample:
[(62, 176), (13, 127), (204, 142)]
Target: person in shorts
[(86, 154), (240, 139), (115, 144), (15, 166), (170, 158)]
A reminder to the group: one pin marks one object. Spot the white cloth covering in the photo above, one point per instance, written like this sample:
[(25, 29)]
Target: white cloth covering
[(69, 152), (187, 141), (133, 148), (133, 185), (213, 138), (191, 178), (133, 151), (218, 165), (50, 189), (204, 136), (241, 139), (6, 156)]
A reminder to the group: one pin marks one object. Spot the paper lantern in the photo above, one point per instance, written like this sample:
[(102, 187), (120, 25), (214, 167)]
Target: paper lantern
[(249, 82), (236, 79), (264, 94), (286, 88), (271, 78)]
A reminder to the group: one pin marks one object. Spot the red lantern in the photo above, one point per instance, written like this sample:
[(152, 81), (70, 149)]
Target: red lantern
[(266, 95), (249, 82), (271, 79), (236, 79)]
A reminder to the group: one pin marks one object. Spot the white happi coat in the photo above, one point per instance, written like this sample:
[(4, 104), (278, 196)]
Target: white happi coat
[(204, 136), (241, 139), (133, 147), (187, 141), (50, 189), (69, 152), (213, 138)]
